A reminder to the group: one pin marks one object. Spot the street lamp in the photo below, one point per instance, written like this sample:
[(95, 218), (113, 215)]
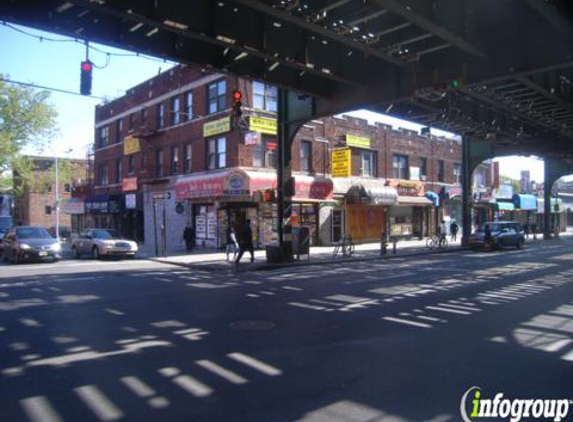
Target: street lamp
[(58, 195)]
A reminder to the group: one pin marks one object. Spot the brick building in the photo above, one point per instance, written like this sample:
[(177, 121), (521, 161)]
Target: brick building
[(168, 154)]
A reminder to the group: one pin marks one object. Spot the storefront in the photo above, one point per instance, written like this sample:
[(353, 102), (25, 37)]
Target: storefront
[(451, 204), (525, 208), (75, 207), (504, 210), (558, 214), (102, 211), (408, 218)]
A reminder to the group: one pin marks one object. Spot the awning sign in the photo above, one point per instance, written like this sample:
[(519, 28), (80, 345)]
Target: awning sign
[(216, 127), (357, 141), (263, 125), (406, 187), (341, 162), (129, 184), (131, 145)]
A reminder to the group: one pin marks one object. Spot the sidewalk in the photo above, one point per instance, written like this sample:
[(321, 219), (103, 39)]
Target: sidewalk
[(207, 259)]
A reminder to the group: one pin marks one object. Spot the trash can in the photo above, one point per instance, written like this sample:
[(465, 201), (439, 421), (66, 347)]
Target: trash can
[(273, 252)]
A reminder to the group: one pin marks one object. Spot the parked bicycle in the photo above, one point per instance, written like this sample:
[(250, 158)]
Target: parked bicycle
[(345, 247), (437, 241)]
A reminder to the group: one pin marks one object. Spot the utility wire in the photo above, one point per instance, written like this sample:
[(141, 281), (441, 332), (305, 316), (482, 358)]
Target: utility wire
[(64, 91)]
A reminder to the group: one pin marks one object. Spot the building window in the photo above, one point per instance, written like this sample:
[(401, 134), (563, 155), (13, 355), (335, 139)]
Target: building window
[(103, 136), (174, 160), (130, 122), (143, 117), (265, 154), (48, 210), (118, 170), (457, 172), (217, 153), (305, 156), (188, 157), (175, 111), (118, 130), (159, 162), (264, 97), (189, 105), (160, 115), (131, 164), (217, 96), (102, 176), (368, 159), (441, 170), (423, 168), (400, 167)]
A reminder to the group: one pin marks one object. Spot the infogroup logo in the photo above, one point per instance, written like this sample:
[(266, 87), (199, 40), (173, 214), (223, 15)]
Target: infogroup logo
[(513, 409)]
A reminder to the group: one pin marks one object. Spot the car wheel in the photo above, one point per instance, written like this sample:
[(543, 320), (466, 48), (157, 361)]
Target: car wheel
[(75, 252), (519, 244), (95, 253)]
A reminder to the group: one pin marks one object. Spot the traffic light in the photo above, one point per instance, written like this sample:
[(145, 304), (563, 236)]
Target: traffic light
[(237, 95), (86, 78)]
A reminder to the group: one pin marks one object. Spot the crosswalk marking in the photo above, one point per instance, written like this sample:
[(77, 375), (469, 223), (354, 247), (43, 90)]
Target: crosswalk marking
[(222, 372), (263, 367), (39, 409), (98, 403)]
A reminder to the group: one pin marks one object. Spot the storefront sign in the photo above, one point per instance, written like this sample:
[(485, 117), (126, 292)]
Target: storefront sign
[(495, 175), (236, 183), (525, 181), (252, 138), (130, 202), (357, 141), (342, 162), (406, 187), (263, 125), (72, 206), (102, 204), (312, 188), (217, 127), (200, 227), (202, 186), (131, 145), (211, 226), (129, 184)]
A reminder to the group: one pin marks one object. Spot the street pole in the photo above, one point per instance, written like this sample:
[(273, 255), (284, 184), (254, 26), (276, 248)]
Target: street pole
[(57, 202)]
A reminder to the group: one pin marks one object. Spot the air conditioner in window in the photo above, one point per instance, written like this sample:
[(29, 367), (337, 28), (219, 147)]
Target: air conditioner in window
[(422, 177)]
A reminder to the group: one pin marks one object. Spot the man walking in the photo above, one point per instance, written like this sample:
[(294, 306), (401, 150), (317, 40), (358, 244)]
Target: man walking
[(189, 237), (443, 233), (454, 230), (246, 242), (232, 245)]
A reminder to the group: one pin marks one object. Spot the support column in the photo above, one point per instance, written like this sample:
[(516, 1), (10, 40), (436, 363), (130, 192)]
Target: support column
[(547, 200), (466, 188)]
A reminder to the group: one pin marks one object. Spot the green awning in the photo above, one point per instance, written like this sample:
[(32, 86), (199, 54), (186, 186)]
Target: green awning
[(505, 206)]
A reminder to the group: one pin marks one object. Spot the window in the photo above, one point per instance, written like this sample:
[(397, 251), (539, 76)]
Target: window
[(217, 153), (423, 168), (217, 96), (118, 130), (440, 170), (103, 136), (188, 157), (305, 156), (457, 172), (160, 115), (130, 164), (400, 167), (143, 117), (48, 210), (118, 170), (265, 154), (130, 121), (102, 176), (174, 160), (264, 97), (175, 111), (368, 163), (159, 162), (189, 105)]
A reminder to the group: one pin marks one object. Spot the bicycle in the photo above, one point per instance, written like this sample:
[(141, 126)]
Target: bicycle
[(345, 247), (437, 241)]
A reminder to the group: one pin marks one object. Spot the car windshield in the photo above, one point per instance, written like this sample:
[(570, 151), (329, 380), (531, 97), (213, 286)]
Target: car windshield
[(6, 222), (105, 234), (33, 233)]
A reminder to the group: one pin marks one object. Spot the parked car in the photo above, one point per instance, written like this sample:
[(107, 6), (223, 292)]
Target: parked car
[(102, 242), (27, 243), (503, 234), (65, 233), (6, 222)]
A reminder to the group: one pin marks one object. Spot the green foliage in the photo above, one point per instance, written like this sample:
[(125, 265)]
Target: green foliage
[(516, 184), (29, 177), (27, 119)]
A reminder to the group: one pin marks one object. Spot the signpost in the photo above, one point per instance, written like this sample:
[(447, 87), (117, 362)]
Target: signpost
[(160, 197)]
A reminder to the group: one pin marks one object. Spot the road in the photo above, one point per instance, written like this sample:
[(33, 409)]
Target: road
[(396, 340)]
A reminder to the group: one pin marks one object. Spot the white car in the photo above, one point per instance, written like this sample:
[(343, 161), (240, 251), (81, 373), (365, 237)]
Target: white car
[(103, 242)]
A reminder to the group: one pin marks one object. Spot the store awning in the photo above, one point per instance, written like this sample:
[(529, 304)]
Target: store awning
[(524, 202), (373, 192), (72, 206), (414, 200), (505, 206), (450, 192), (434, 197), (554, 202)]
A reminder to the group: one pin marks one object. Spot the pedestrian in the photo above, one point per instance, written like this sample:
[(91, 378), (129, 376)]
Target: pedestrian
[(526, 230), (534, 230), (443, 233), (246, 242), (189, 237), (232, 244), (487, 237), (454, 230)]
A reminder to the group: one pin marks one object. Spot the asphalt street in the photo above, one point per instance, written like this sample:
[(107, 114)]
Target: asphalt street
[(393, 340)]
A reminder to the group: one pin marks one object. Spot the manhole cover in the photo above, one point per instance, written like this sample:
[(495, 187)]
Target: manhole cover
[(252, 325)]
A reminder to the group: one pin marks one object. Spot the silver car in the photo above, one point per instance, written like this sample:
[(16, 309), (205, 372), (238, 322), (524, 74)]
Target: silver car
[(103, 242)]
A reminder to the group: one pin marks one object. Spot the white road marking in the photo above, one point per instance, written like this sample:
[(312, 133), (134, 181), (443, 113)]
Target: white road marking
[(98, 403), (39, 409), (263, 367), (222, 372)]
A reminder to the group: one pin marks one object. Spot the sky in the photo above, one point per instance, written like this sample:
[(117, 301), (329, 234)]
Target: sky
[(29, 56)]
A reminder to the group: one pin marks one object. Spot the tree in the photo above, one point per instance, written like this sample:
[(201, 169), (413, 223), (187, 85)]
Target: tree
[(27, 119)]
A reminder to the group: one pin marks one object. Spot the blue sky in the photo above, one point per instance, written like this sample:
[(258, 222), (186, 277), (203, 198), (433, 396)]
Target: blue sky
[(28, 59)]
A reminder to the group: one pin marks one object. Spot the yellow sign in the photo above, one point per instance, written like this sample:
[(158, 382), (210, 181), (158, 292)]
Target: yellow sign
[(263, 125), (357, 141), (217, 127), (131, 145), (341, 162)]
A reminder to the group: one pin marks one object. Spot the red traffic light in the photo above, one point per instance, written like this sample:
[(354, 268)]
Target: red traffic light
[(237, 95), (86, 66)]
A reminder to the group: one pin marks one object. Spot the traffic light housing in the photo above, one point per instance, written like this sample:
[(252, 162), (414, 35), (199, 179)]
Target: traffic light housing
[(86, 77), (237, 96), (269, 195)]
